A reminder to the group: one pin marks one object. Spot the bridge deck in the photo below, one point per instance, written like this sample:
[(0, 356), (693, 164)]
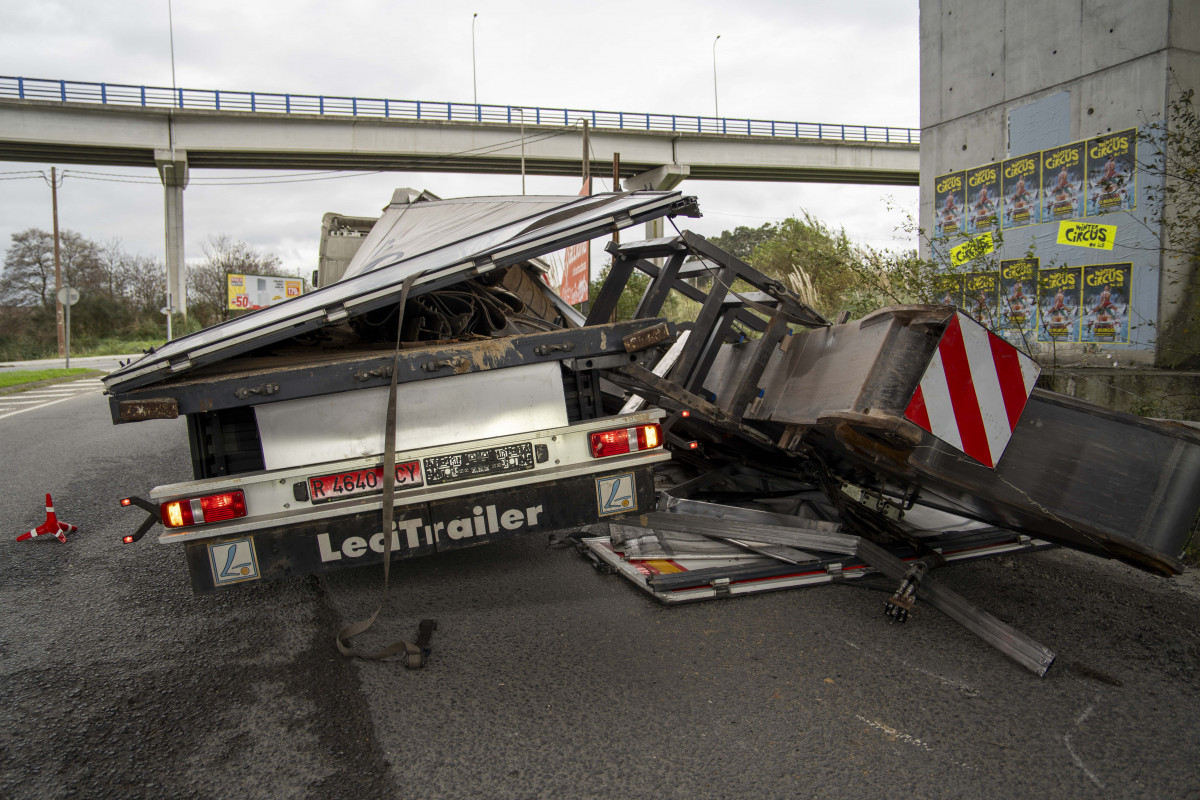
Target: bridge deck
[(113, 124)]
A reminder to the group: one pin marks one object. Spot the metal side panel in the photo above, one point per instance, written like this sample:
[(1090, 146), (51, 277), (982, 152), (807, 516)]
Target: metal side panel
[(455, 408), (859, 367), (1097, 480)]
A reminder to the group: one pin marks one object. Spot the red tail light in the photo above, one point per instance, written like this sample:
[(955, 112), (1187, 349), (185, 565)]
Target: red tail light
[(625, 440), (199, 510)]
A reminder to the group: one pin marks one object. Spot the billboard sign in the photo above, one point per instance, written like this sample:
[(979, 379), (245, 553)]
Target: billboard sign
[(248, 292)]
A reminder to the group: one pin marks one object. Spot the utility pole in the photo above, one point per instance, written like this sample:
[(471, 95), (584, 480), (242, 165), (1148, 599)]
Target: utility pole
[(716, 102), (616, 188), (474, 80), (587, 190), (58, 306), (587, 163)]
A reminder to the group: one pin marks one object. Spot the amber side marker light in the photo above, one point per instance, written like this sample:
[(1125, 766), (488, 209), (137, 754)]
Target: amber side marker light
[(625, 440), (201, 510)]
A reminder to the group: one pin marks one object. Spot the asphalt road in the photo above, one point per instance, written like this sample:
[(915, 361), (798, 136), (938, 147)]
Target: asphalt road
[(548, 679)]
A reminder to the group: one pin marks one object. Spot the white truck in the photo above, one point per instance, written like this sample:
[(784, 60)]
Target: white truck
[(501, 425)]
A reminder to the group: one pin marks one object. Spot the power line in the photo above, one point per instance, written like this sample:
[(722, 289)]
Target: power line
[(326, 175)]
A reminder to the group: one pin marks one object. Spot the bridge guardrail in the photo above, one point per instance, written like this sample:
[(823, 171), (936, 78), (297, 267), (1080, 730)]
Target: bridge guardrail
[(118, 94)]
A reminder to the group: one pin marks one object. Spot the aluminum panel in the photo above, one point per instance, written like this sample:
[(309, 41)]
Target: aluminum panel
[(455, 408), (406, 230), (489, 240)]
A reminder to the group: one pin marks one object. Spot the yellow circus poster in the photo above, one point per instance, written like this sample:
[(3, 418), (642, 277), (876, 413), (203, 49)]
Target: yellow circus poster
[(1111, 172), (1018, 295), (1106, 290), (983, 198), (949, 200), (1020, 186), (1059, 304), (981, 292), (1063, 178), (947, 289)]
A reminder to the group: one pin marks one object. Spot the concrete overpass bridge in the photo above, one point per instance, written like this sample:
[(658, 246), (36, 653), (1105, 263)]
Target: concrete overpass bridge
[(175, 130)]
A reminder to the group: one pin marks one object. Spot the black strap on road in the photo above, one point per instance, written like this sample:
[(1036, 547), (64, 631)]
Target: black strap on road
[(415, 653)]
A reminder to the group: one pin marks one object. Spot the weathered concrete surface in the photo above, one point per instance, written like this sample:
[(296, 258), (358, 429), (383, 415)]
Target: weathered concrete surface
[(983, 65), (1165, 394)]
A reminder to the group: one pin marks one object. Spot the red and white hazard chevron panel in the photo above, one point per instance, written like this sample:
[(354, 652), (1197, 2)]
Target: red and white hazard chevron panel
[(973, 391)]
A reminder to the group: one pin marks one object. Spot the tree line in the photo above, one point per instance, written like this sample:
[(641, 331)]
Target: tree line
[(121, 293), (825, 269)]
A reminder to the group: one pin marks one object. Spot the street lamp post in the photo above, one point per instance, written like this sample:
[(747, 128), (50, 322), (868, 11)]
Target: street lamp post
[(474, 82), (716, 102)]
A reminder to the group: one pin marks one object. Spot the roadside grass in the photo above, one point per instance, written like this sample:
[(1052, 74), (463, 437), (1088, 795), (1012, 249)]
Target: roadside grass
[(19, 380), (17, 349), (116, 346)]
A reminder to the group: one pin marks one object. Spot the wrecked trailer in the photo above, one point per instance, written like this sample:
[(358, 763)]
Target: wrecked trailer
[(513, 413), (499, 418)]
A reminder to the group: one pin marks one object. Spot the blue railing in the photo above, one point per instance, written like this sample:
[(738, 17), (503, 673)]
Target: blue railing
[(117, 94)]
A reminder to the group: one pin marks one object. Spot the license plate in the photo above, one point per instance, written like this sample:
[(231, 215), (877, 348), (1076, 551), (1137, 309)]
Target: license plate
[(339, 485), (474, 463)]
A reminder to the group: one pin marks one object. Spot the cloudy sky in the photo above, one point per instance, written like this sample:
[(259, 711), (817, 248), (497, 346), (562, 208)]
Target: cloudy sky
[(791, 60)]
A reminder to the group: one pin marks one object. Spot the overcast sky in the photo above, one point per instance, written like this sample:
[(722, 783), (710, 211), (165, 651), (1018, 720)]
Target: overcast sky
[(791, 60)]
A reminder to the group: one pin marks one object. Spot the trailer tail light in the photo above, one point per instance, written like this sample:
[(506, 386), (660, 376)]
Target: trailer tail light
[(625, 440), (199, 510)]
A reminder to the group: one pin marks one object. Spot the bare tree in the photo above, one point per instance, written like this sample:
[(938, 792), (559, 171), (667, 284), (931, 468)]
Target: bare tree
[(208, 281), (28, 277)]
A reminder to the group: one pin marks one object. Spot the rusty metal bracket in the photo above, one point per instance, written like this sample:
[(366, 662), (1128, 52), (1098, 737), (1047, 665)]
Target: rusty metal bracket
[(150, 408), (647, 337), (366, 375), (455, 363), (264, 390), (547, 349)]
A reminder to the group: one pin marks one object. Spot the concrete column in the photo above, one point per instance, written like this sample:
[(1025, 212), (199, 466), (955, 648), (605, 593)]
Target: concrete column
[(659, 179), (173, 169)]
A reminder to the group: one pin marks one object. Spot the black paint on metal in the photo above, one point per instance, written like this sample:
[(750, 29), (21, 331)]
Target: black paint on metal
[(288, 551)]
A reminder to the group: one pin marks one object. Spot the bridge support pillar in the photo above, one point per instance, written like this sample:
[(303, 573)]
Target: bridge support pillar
[(173, 169), (660, 179)]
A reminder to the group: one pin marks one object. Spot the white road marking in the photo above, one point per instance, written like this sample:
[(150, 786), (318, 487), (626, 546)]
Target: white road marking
[(1091, 776), (904, 737), (19, 403), (965, 689)]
